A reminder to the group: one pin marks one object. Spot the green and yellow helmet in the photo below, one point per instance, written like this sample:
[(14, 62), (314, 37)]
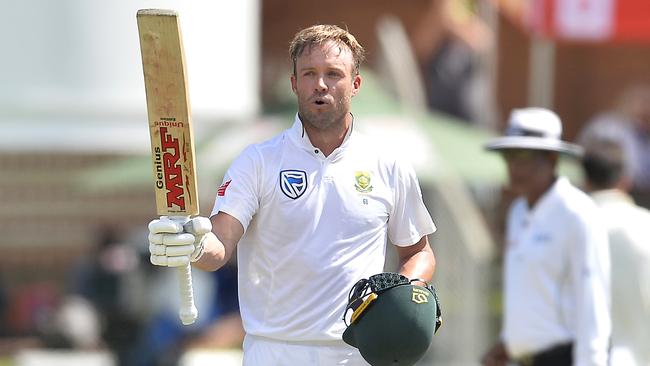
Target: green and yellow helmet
[(393, 320)]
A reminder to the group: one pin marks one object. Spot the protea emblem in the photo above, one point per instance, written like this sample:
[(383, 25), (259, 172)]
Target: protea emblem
[(362, 182)]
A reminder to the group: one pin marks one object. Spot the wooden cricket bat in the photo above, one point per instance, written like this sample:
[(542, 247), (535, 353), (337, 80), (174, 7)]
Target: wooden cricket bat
[(170, 127)]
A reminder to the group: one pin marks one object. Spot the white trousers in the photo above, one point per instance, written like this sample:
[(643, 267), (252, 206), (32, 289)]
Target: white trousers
[(261, 351)]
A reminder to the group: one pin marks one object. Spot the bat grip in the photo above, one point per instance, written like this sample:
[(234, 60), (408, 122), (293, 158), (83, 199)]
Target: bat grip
[(188, 312)]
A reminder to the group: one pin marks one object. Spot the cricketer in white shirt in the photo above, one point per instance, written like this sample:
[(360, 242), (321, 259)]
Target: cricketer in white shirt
[(315, 225), (557, 276)]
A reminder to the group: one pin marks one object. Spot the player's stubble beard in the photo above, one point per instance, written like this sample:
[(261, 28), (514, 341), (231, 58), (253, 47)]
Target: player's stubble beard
[(324, 119)]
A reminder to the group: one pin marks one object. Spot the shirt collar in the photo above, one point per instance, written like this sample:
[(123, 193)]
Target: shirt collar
[(611, 196), (298, 134), (550, 196)]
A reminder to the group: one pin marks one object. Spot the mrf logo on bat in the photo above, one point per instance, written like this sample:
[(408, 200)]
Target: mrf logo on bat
[(171, 162)]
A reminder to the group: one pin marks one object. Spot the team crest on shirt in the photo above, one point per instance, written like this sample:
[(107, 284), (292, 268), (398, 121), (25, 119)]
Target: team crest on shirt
[(363, 182), (293, 183)]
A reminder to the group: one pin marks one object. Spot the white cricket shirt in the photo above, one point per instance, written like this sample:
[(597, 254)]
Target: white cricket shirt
[(314, 226), (556, 276), (629, 244)]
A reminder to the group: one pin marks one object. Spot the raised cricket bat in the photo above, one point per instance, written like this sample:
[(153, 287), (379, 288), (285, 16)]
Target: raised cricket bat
[(170, 127)]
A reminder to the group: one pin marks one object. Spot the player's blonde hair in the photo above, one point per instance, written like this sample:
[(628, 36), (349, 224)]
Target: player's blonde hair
[(320, 34)]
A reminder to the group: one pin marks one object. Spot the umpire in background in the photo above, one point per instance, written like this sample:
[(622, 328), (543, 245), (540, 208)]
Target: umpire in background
[(556, 265), (629, 233)]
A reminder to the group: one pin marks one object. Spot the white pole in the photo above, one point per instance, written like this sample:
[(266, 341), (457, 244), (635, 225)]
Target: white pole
[(541, 75)]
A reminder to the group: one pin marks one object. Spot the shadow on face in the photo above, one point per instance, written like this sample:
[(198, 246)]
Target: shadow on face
[(530, 171)]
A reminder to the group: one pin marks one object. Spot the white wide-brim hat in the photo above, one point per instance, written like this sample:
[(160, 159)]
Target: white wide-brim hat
[(534, 129)]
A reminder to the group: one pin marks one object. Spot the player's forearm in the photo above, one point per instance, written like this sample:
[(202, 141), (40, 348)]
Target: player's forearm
[(418, 261), (227, 231), (215, 254), (421, 265)]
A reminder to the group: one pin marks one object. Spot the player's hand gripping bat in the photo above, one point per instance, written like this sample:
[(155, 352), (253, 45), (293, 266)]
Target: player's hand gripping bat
[(172, 142)]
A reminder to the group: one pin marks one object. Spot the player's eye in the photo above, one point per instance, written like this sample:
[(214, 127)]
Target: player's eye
[(334, 74)]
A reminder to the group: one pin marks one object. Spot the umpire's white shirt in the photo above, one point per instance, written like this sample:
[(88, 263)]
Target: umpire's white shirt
[(315, 225), (557, 276)]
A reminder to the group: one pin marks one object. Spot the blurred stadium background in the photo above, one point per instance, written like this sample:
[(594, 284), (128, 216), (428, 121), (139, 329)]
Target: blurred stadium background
[(75, 183)]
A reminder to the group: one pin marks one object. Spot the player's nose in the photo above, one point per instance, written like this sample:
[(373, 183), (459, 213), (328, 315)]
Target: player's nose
[(321, 86)]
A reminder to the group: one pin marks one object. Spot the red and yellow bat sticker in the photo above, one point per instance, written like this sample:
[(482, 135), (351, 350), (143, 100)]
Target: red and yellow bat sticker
[(173, 174)]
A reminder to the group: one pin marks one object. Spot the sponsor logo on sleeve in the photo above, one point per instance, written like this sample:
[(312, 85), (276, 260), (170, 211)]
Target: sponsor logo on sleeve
[(222, 189)]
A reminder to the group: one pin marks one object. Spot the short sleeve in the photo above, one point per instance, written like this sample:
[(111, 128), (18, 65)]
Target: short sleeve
[(409, 220), (238, 194)]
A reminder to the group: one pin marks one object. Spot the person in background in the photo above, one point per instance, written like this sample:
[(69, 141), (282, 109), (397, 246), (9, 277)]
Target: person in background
[(448, 41), (556, 267), (629, 243), (97, 283), (628, 123), (635, 105)]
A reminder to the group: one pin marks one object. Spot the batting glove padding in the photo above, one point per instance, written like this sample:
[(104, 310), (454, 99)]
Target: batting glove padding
[(173, 244)]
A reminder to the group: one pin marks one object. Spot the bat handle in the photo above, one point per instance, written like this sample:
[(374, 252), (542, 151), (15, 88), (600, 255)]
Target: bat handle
[(188, 312)]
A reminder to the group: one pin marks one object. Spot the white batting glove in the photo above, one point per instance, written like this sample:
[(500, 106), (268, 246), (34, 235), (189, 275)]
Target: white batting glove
[(174, 244)]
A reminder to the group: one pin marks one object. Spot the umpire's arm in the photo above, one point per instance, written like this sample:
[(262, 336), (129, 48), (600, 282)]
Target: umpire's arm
[(417, 260)]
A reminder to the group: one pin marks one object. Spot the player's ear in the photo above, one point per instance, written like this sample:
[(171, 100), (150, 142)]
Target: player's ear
[(356, 84), (294, 84)]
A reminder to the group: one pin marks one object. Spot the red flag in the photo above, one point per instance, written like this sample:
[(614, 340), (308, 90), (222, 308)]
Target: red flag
[(582, 20)]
